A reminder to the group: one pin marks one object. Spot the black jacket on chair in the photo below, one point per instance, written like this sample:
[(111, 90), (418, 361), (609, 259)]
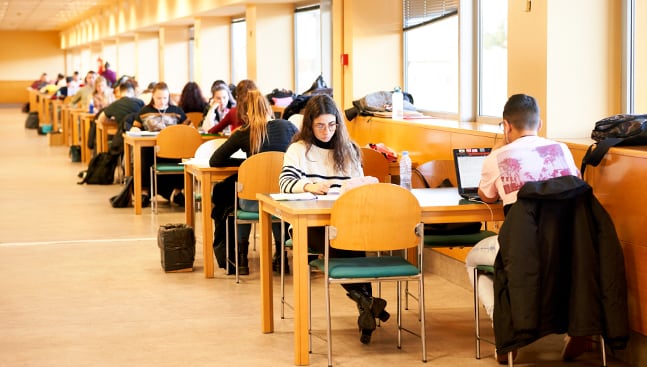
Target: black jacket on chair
[(560, 268)]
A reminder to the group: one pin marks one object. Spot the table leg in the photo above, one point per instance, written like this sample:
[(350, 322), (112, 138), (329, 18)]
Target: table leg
[(137, 178), (267, 302), (300, 275), (207, 231)]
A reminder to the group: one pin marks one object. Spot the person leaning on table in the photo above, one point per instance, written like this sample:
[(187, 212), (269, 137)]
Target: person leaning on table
[(155, 116), (322, 157), (521, 124), (259, 133)]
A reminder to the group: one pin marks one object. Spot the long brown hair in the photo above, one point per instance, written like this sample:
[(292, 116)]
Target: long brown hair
[(258, 112), (345, 151), (242, 88)]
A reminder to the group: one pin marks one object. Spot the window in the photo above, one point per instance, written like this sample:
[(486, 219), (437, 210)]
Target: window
[(307, 47), (493, 57), (238, 50), (434, 71), (638, 57)]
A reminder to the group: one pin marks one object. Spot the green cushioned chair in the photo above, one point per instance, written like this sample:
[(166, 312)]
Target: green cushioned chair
[(392, 224)]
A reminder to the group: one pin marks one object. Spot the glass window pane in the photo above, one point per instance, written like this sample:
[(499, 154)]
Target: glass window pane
[(640, 58), (307, 45), (493, 56), (431, 61), (238, 51)]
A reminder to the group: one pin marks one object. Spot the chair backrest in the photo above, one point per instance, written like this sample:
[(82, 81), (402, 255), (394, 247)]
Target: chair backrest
[(259, 174), (206, 149), (195, 118), (375, 164), (364, 223), (177, 141), (433, 173)]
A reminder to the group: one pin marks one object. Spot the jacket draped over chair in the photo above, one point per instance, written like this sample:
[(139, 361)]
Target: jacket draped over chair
[(560, 268)]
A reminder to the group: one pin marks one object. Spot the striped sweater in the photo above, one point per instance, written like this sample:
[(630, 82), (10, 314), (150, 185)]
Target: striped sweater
[(317, 165)]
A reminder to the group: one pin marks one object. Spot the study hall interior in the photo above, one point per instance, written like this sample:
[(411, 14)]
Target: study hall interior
[(582, 59)]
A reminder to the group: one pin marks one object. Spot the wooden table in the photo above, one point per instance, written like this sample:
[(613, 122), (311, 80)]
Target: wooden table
[(438, 206), (133, 145), (206, 176), (105, 128), (85, 121)]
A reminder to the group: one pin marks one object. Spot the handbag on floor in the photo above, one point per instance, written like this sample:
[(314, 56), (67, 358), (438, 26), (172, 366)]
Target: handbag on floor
[(124, 198)]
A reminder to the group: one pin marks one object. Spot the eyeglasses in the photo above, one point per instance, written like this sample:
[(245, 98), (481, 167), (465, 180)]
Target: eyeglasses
[(331, 126)]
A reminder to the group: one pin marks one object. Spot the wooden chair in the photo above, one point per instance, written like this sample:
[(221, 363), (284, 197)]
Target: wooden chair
[(359, 222), (375, 164), (257, 174), (195, 118), (176, 142)]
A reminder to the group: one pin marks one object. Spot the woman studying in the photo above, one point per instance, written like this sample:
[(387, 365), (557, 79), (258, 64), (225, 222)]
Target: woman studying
[(323, 157)]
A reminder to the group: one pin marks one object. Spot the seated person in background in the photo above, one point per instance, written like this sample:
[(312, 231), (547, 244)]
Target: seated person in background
[(155, 116), (40, 82), (322, 157), (260, 133), (66, 90), (220, 104), (233, 119), (191, 98), (102, 95), (126, 104), (82, 97), (502, 181)]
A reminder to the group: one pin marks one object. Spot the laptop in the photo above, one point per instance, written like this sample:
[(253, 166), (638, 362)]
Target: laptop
[(469, 163)]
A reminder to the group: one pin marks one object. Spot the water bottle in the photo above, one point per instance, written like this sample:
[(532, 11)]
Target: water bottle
[(397, 104), (405, 170), (91, 109)]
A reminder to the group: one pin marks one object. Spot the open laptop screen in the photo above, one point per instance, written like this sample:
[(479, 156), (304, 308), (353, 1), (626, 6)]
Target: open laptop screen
[(469, 163)]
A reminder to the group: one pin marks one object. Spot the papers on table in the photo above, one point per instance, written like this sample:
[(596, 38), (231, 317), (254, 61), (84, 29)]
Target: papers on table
[(293, 196), (142, 133)]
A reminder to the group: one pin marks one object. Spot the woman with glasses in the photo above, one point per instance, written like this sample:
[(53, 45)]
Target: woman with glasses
[(321, 158)]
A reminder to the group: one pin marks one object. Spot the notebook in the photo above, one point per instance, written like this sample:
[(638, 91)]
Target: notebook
[(468, 163)]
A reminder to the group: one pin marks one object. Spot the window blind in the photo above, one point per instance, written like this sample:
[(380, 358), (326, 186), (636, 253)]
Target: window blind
[(421, 12)]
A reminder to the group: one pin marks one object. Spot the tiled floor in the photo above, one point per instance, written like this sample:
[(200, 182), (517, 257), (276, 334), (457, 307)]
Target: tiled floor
[(81, 285)]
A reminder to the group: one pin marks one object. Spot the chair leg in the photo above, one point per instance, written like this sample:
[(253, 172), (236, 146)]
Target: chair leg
[(236, 251), (153, 192), (309, 309), (399, 312), (328, 317), (603, 351), (477, 324), (283, 271), (227, 245), (423, 327)]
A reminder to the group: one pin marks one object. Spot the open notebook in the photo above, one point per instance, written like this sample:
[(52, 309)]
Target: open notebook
[(469, 163)]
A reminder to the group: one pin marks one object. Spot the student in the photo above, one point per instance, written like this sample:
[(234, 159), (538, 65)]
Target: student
[(261, 133), (155, 116), (191, 98), (83, 96), (521, 144), (109, 75), (126, 104), (234, 118), (322, 157), (102, 95), (221, 102)]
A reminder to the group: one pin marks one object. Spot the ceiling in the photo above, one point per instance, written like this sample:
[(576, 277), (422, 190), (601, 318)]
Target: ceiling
[(43, 15)]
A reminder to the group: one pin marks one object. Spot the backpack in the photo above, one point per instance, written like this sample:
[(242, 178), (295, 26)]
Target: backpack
[(101, 170), (32, 120), (620, 130)]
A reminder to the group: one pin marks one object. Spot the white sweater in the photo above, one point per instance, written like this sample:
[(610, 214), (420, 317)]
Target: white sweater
[(318, 165)]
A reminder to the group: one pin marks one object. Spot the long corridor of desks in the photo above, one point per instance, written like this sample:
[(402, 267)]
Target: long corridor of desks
[(82, 285)]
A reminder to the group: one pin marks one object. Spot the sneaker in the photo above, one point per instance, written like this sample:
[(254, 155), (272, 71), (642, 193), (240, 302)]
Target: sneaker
[(574, 346), (503, 358)]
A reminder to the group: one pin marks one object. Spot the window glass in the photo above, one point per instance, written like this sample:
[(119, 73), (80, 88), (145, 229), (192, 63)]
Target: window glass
[(238, 50), (307, 47), (640, 58), (431, 65), (493, 57)]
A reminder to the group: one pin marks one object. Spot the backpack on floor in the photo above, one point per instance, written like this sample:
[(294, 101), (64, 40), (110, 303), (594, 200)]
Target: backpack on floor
[(101, 170), (32, 120)]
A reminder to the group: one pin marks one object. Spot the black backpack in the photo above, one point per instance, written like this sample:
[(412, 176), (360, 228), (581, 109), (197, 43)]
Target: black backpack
[(101, 170)]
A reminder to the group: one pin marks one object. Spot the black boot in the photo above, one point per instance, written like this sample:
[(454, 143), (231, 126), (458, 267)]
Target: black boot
[(374, 304), (365, 320), (243, 265)]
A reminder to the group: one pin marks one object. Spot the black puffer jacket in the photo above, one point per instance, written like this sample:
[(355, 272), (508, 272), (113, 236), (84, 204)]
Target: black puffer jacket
[(560, 268)]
